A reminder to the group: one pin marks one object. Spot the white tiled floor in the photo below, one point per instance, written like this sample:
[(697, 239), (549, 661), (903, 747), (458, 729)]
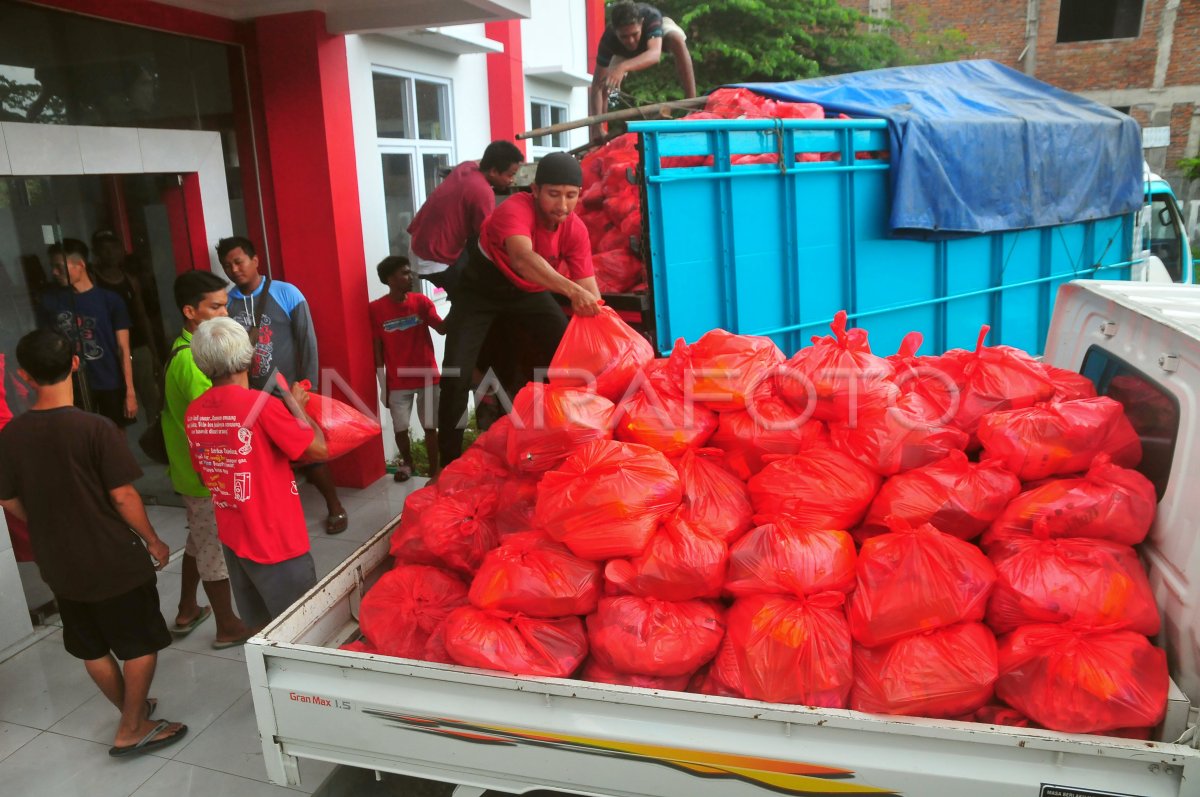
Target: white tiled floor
[(55, 727)]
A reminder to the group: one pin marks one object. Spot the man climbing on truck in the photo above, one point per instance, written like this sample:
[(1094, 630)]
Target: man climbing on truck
[(636, 36)]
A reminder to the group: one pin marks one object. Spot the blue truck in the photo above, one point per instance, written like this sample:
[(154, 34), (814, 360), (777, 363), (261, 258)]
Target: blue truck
[(940, 215)]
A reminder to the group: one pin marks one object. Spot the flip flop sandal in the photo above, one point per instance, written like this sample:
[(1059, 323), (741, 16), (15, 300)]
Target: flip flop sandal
[(402, 474), (148, 743), (336, 524), (233, 643), (183, 630)]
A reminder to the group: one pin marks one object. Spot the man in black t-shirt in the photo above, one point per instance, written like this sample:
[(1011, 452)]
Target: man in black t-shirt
[(69, 474), (634, 40)]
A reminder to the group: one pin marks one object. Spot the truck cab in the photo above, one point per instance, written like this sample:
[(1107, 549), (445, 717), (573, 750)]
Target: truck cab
[(1164, 235)]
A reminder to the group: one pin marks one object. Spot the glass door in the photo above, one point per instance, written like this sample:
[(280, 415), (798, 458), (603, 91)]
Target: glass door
[(131, 225)]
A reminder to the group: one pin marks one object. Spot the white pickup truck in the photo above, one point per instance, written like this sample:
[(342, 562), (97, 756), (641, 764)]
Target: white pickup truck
[(486, 730)]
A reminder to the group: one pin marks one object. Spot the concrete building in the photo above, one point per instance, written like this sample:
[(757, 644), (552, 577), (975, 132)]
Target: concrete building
[(1140, 56)]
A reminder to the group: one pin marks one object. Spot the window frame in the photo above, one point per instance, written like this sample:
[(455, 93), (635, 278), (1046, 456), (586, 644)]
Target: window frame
[(538, 151), (416, 148), (1141, 25)]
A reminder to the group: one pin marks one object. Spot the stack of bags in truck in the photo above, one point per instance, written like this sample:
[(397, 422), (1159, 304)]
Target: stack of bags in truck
[(731, 522), (610, 205)]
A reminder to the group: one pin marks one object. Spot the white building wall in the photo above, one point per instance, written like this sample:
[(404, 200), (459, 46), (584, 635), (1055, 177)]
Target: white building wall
[(555, 36)]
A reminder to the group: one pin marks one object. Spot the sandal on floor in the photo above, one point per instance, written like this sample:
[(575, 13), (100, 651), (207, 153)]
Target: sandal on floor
[(184, 630), (148, 743), (402, 474), (336, 524)]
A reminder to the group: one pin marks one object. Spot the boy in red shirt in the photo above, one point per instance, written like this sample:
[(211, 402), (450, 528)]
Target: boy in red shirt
[(404, 359), (243, 442)]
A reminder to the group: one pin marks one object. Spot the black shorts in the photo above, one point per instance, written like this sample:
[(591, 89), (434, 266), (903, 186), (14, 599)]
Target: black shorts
[(129, 625), (111, 404)]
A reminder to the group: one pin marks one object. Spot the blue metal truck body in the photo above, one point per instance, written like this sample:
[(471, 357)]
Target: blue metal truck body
[(777, 248)]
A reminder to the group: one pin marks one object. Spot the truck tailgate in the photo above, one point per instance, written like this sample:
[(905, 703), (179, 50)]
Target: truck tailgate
[(516, 734)]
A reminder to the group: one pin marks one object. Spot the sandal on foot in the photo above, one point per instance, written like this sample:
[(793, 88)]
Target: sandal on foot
[(336, 524), (402, 474), (148, 743), (187, 628), (220, 644)]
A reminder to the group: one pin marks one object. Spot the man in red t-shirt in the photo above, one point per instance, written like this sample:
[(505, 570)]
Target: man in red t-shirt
[(404, 359), (452, 215), (525, 247), (242, 443)]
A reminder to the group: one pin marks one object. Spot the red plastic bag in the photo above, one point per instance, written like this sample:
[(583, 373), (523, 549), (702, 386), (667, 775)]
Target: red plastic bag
[(994, 378), (531, 574), (768, 429), (1069, 385), (714, 499), (782, 558), (788, 650), (607, 499), (458, 528), (407, 544), (925, 376), (664, 422), (819, 489), (600, 350), (520, 645), (722, 371), (995, 714), (941, 674), (954, 495), (1108, 503), (344, 427), (517, 500), (476, 469), (495, 440), (618, 270), (1078, 681), (1059, 439), (406, 605), (595, 671), (1093, 583), (838, 377), (681, 562), (898, 438), (917, 579), (652, 637), (549, 423)]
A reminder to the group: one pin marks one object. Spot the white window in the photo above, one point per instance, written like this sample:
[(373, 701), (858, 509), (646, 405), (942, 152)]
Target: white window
[(415, 132), (543, 113)]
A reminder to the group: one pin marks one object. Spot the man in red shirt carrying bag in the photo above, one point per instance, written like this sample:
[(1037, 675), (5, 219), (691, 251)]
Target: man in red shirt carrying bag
[(404, 358), (242, 443), (525, 247)]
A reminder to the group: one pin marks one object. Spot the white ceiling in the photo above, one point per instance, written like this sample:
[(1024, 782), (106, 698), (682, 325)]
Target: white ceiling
[(361, 16)]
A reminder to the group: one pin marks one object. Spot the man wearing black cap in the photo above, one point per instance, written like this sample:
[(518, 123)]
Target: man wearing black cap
[(525, 248)]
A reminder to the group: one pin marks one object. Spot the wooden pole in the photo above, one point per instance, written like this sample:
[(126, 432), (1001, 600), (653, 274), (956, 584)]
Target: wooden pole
[(660, 109)]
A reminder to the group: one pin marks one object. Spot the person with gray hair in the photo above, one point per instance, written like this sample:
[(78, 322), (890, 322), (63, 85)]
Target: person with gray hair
[(242, 443)]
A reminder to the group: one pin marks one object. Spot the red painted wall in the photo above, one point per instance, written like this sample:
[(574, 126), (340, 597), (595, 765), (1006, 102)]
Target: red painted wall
[(309, 131), (506, 82), (595, 29)]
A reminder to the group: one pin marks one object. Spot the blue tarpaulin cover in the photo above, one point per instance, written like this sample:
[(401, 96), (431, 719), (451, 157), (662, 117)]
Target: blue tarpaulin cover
[(979, 147)]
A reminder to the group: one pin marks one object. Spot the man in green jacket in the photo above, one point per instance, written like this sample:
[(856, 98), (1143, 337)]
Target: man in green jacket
[(199, 295)]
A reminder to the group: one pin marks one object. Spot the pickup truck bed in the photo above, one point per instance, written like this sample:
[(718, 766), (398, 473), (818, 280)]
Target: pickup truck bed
[(485, 730)]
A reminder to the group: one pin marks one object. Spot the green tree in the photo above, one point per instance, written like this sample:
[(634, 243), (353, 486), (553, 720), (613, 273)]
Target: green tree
[(734, 41)]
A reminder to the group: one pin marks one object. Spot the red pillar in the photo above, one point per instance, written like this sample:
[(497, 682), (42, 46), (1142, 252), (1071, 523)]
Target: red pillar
[(595, 29), (310, 133), (506, 82)]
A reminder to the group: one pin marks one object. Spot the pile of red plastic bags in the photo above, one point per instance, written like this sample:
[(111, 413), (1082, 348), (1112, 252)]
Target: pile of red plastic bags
[(946, 536)]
